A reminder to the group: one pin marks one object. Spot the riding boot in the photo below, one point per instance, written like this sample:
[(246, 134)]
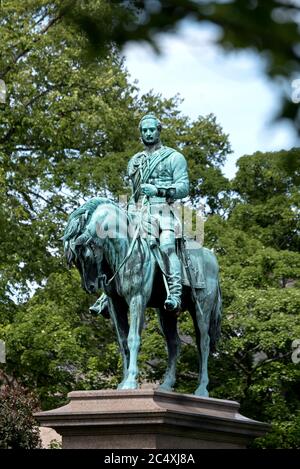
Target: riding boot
[(173, 270)]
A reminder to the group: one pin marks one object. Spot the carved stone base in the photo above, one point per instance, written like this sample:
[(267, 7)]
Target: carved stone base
[(149, 419)]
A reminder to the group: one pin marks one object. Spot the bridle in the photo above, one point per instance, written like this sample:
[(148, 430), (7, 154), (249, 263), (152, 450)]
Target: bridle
[(101, 279)]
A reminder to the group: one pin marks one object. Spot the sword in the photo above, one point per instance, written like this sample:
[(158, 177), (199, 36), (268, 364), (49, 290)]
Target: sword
[(188, 267)]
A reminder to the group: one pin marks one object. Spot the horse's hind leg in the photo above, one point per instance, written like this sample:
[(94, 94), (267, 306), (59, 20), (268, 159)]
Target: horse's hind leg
[(203, 375), (203, 345), (168, 323)]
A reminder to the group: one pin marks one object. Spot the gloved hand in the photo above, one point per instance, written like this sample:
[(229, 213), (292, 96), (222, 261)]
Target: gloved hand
[(148, 189)]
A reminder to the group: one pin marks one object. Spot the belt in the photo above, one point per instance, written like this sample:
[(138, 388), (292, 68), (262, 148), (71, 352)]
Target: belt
[(152, 200)]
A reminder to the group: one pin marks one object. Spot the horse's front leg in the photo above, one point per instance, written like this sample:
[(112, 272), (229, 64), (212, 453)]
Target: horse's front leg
[(118, 314), (137, 308)]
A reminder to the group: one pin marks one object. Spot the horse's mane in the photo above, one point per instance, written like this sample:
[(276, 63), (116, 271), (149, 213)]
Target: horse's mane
[(81, 216)]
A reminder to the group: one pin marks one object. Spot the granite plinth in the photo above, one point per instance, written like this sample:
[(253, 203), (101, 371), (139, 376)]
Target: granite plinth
[(150, 419)]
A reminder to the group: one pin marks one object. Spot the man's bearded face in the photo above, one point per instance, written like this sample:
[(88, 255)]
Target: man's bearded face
[(149, 132)]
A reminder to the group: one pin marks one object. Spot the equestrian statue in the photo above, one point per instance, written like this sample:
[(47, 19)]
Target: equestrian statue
[(140, 257)]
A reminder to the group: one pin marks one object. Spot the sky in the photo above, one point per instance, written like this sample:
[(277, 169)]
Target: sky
[(231, 85)]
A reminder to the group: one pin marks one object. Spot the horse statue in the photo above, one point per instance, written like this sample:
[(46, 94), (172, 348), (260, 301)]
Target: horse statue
[(109, 254)]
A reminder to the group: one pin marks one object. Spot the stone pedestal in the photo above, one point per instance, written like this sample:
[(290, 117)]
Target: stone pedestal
[(149, 419)]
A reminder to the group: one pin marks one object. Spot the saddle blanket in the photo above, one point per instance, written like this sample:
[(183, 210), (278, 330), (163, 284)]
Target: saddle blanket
[(194, 256)]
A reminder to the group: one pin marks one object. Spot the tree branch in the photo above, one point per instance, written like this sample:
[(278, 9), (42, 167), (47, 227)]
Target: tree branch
[(28, 49), (19, 122), (36, 194)]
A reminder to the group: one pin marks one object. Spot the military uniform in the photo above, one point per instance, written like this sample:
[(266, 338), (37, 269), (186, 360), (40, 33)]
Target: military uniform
[(166, 169)]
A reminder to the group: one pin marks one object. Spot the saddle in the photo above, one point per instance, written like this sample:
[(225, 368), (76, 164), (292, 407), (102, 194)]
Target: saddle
[(189, 252)]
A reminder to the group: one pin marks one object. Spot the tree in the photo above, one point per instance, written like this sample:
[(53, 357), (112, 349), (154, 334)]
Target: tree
[(258, 250), (254, 360), (260, 285), (58, 136), (67, 131), (260, 281), (18, 428), (268, 184), (270, 28), (50, 125), (53, 343)]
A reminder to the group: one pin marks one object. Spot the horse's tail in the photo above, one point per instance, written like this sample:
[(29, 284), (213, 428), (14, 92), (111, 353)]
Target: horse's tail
[(215, 320)]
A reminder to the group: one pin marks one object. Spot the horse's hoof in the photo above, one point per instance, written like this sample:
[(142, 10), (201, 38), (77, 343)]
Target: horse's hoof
[(165, 387), (201, 392), (128, 385)]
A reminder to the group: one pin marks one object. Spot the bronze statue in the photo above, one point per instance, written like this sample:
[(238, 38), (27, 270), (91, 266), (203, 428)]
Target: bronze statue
[(160, 173), (139, 258)]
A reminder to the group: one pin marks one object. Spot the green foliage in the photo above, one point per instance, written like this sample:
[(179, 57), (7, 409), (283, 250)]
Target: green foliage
[(261, 297), (57, 133), (260, 284), (270, 28), (18, 428), (66, 134), (54, 345), (268, 184), (284, 435), (254, 361)]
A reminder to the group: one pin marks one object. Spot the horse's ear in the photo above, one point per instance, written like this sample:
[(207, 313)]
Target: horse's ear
[(82, 239)]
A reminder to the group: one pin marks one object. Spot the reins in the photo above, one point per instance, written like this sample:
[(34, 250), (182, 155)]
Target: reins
[(129, 252)]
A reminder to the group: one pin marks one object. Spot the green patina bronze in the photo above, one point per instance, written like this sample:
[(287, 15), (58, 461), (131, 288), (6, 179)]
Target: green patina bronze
[(139, 258), (160, 174)]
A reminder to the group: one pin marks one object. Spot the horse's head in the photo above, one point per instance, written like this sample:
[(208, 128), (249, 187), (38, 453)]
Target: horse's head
[(86, 254), (87, 230)]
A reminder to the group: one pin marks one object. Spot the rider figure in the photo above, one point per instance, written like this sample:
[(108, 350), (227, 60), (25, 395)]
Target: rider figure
[(159, 175)]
